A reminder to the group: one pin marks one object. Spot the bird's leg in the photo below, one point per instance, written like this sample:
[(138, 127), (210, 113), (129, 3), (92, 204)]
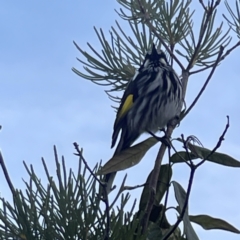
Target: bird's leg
[(163, 130), (165, 139), (175, 122)]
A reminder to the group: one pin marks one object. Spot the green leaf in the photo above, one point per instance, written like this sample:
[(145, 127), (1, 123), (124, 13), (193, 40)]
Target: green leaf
[(182, 156), (129, 157), (180, 195), (162, 186), (208, 222), (156, 233), (164, 178), (204, 153)]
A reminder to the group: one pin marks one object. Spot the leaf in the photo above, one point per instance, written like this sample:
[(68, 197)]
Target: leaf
[(129, 157), (180, 195), (208, 222), (182, 156), (162, 186), (164, 178), (156, 233), (203, 153)]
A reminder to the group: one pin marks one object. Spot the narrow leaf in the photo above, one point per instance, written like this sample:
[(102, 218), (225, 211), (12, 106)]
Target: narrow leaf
[(208, 222), (203, 153), (129, 157), (162, 186), (182, 157), (180, 195), (216, 157)]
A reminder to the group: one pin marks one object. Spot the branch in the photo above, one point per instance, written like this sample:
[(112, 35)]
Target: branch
[(133, 187), (193, 169), (103, 185), (167, 192), (221, 139), (119, 192), (206, 82), (153, 181), (185, 204), (190, 182), (79, 153), (204, 7)]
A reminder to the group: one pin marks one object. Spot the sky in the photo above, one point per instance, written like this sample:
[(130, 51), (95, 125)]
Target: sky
[(43, 103)]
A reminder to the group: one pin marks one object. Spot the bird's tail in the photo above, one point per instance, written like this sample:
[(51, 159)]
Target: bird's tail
[(124, 143), (109, 178)]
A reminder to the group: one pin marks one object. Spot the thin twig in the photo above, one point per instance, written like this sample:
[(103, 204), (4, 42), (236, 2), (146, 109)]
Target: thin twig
[(119, 192), (103, 185), (182, 158), (167, 192), (206, 82), (185, 146), (204, 7), (193, 169), (133, 187), (79, 153), (185, 204), (221, 139)]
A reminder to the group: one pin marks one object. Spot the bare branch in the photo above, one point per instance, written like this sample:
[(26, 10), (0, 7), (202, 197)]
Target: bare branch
[(167, 192), (193, 169), (185, 204), (206, 82), (103, 185), (119, 192), (79, 153), (221, 139), (133, 187)]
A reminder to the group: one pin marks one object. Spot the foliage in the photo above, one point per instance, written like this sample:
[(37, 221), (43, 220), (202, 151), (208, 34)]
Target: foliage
[(67, 208), (75, 206)]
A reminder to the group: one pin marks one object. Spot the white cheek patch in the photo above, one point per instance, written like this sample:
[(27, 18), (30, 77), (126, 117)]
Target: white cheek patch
[(168, 84), (162, 60), (146, 63), (135, 75)]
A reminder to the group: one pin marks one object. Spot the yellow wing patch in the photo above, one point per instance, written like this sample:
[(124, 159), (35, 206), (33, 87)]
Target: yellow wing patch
[(126, 106)]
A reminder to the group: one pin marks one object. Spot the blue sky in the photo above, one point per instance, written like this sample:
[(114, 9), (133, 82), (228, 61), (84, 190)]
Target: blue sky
[(42, 103)]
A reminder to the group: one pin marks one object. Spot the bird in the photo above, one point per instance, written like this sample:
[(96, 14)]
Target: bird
[(152, 98)]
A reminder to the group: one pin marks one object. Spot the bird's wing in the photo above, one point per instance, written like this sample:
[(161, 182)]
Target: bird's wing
[(129, 97)]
